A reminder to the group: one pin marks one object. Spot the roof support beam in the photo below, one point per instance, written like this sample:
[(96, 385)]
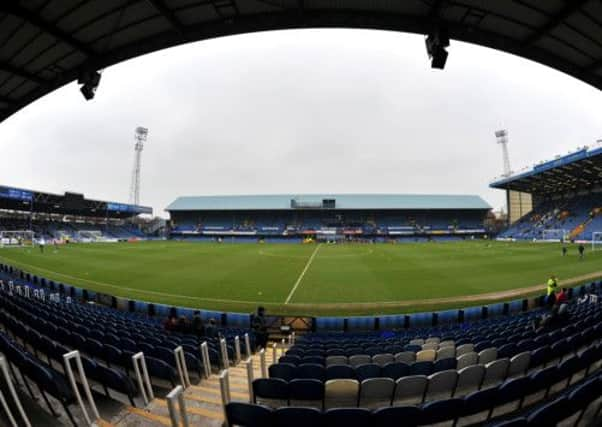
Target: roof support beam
[(436, 8), (5, 100), (168, 14), (21, 73), (594, 66), (14, 9), (570, 8)]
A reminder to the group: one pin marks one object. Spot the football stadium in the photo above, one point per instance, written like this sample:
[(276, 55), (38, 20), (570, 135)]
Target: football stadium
[(313, 309)]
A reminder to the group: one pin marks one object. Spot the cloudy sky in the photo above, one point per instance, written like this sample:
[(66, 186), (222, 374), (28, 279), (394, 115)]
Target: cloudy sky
[(310, 111)]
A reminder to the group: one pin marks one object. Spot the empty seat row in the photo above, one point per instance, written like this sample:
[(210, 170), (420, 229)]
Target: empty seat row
[(499, 331), (115, 325), (395, 387), (387, 366), (109, 355), (540, 354), (41, 336), (492, 405), (404, 356)]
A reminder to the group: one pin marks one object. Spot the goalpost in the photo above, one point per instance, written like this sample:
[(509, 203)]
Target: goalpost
[(16, 238), (596, 240), (552, 235)]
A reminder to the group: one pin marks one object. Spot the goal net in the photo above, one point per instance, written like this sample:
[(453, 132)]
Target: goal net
[(555, 235), (16, 238), (596, 240)]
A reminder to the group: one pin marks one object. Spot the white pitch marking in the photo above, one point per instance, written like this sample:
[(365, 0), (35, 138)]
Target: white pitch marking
[(309, 261)]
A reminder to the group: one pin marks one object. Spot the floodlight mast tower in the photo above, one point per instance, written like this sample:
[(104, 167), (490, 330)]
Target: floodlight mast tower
[(140, 138), (502, 139)]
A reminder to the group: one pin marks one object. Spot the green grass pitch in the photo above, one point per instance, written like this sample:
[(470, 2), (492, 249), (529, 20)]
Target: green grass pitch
[(309, 279)]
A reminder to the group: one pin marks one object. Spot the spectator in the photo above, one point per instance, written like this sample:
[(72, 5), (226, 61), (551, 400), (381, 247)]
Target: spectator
[(211, 329), (170, 323), (183, 325), (562, 297), (258, 324), (197, 326)]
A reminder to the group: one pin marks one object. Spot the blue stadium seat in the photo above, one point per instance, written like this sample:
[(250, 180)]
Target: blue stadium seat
[(311, 371), (395, 370), (348, 417), (397, 416), (297, 417), (248, 415), (283, 371)]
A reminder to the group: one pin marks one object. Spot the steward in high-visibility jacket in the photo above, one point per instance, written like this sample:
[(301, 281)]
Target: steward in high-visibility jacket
[(552, 285)]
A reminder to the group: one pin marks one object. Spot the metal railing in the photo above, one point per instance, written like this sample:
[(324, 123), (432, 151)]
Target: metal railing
[(206, 359), (224, 386), (176, 398), (181, 367), (144, 384), (67, 357), (264, 368), (250, 377), (247, 345), (237, 350), (14, 395), (224, 350)]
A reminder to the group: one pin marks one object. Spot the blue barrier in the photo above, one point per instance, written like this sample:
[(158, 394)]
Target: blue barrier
[(207, 315), (418, 320), (393, 321), (330, 323), (495, 310), (472, 313), (447, 317), (361, 323), (239, 320)]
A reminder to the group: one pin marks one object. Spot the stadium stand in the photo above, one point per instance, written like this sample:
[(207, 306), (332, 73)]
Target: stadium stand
[(485, 371), (566, 195), (514, 375), (68, 217), (328, 217), (43, 330), (57, 43)]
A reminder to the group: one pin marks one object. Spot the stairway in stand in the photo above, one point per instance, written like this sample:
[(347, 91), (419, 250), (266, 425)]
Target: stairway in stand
[(203, 401)]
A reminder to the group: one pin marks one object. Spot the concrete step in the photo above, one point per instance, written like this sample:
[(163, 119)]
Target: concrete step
[(203, 400)]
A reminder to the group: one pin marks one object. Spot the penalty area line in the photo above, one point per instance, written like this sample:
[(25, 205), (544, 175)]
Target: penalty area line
[(300, 278)]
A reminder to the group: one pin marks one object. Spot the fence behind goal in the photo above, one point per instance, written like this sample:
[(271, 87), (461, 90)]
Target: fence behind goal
[(555, 235), (16, 238), (596, 240)]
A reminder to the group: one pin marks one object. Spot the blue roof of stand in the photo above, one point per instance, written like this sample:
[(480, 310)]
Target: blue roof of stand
[(342, 201)]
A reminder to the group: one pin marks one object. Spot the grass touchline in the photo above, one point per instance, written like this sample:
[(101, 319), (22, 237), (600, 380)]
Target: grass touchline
[(337, 279)]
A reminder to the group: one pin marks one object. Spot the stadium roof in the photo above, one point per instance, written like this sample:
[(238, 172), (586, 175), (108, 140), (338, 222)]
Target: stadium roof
[(18, 199), (581, 170), (342, 201), (48, 43)]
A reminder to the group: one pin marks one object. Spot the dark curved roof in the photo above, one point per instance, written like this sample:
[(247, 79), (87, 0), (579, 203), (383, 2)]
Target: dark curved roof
[(45, 43), (575, 172)]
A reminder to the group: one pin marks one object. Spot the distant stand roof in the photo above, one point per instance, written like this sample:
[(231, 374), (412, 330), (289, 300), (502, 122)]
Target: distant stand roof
[(342, 201), (45, 44), (581, 170), (19, 199)]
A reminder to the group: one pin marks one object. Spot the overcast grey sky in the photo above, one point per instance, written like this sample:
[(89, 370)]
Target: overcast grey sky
[(318, 111)]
